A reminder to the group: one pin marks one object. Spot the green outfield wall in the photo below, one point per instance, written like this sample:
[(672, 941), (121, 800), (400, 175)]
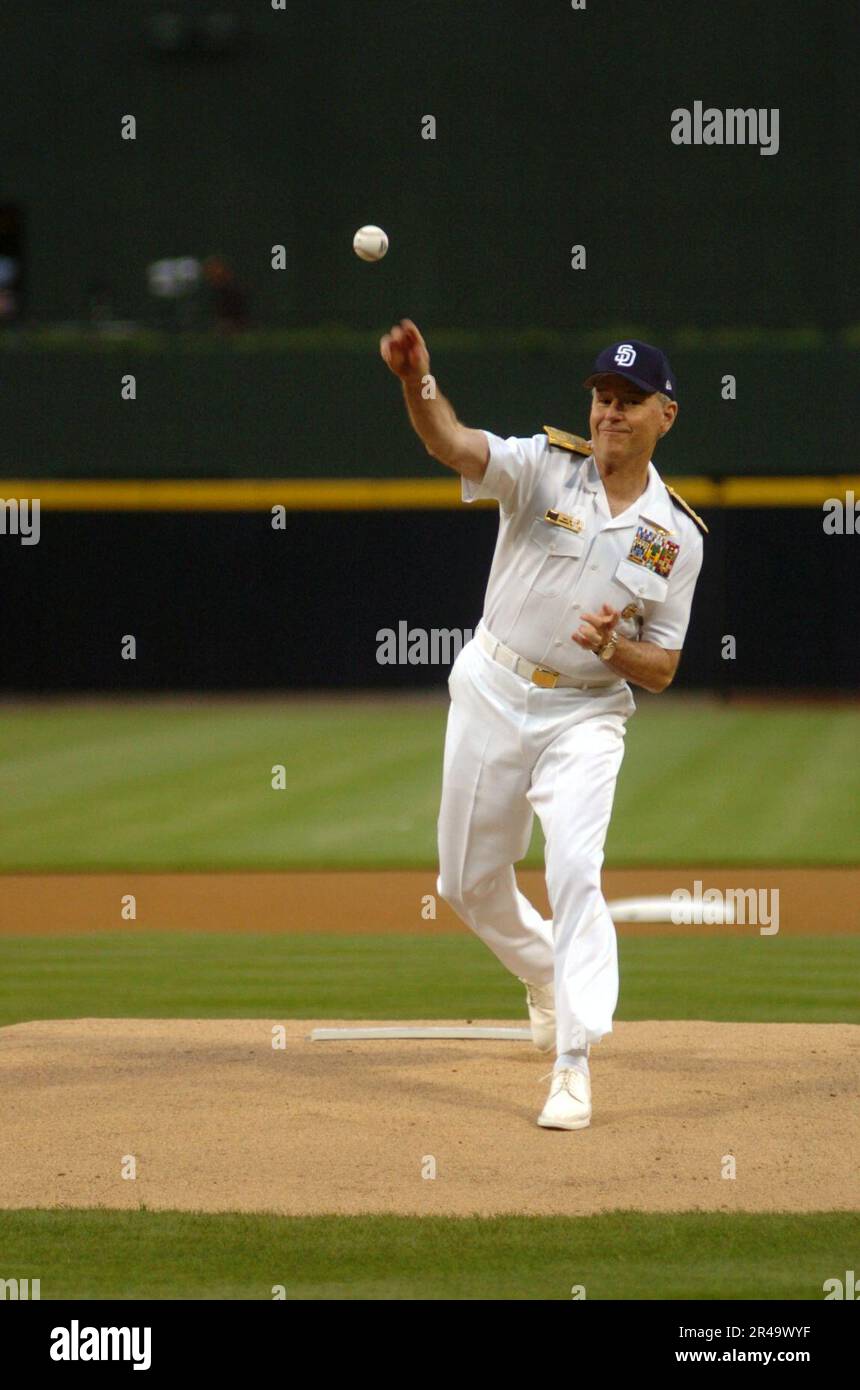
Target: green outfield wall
[(316, 404)]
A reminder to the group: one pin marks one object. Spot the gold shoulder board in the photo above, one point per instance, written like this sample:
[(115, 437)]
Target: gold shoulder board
[(685, 507), (560, 439)]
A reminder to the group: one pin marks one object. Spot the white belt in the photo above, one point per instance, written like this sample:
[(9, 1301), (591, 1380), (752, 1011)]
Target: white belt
[(543, 676)]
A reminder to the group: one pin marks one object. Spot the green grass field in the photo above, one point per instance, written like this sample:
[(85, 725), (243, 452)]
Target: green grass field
[(195, 975), (167, 785), (621, 1255), (171, 786)]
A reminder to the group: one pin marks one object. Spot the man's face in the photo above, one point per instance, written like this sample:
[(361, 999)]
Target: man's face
[(627, 422)]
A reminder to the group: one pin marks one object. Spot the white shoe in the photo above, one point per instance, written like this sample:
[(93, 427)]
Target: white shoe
[(569, 1102), (541, 1002)]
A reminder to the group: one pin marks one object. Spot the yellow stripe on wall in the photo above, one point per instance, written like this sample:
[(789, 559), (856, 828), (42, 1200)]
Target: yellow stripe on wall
[(374, 494), (206, 495)]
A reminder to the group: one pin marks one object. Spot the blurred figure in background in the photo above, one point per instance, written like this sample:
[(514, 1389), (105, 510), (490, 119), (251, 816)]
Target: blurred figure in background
[(228, 298), (9, 272), (12, 263)]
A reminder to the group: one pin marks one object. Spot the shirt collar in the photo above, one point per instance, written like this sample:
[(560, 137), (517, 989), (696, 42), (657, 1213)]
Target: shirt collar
[(654, 504)]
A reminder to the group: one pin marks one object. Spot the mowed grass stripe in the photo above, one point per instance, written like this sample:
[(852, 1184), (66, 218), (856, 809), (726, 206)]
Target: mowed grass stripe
[(201, 975), (191, 788), (617, 1255), (169, 787)]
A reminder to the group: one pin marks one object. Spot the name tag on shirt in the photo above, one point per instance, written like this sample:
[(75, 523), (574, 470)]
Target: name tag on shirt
[(654, 550), (570, 523)]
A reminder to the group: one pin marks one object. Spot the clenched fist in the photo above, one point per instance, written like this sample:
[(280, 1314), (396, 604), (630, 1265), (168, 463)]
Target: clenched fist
[(596, 628), (404, 351)]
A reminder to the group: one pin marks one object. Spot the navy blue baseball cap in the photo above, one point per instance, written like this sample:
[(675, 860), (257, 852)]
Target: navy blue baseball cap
[(646, 366)]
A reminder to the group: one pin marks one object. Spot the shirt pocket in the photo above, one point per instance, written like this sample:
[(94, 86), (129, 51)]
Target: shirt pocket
[(549, 565), (642, 583)]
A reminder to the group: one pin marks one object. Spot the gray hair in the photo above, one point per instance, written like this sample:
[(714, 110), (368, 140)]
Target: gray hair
[(662, 398)]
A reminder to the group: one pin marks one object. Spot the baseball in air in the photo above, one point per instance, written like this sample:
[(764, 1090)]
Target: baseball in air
[(370, 243)]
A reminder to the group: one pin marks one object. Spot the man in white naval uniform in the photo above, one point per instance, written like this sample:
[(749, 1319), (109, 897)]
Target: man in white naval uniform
[(590, 588)]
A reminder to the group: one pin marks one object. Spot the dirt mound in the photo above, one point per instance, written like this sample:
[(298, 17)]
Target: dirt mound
[(217, 1119)]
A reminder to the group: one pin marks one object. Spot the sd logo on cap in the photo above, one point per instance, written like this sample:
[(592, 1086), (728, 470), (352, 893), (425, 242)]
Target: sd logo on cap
[(644, 365)]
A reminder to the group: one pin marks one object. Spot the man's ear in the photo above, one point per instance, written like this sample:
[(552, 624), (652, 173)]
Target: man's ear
[(670, 414)]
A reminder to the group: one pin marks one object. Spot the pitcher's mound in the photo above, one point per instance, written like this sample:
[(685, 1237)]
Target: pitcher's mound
[(210, 1116)]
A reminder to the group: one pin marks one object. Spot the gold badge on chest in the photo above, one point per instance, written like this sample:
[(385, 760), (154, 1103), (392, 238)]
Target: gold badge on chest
[(556, 518)]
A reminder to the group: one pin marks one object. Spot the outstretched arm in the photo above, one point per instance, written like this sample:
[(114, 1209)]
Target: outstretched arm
[(432, 415)]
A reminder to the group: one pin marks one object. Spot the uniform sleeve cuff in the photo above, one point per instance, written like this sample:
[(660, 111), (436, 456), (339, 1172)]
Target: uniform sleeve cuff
[(471, 491)]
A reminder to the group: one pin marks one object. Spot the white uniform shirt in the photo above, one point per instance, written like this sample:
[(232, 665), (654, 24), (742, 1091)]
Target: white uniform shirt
[(545, 576)]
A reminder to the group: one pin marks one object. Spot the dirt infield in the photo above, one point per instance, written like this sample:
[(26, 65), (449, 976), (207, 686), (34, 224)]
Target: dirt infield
[(217, 1119), (811, 901)]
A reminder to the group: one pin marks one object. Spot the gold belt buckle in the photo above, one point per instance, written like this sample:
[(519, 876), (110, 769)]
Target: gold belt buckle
[(545, 678)]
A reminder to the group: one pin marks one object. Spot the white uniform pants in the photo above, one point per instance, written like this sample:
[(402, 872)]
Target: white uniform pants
[(513, 749)]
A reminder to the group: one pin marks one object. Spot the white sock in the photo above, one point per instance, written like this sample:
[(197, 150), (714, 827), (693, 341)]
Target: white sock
[(576, 1060)]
